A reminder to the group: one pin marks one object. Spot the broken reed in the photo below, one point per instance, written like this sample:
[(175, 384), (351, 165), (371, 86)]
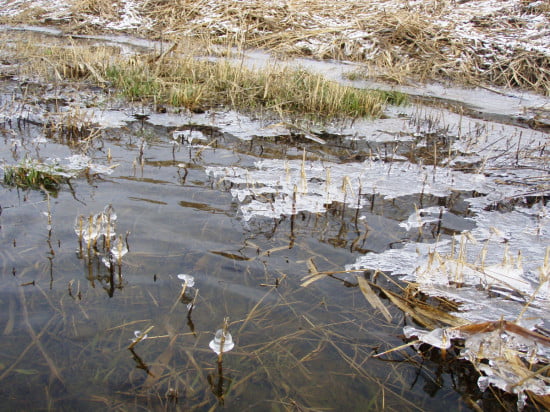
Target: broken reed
[(199, 84)]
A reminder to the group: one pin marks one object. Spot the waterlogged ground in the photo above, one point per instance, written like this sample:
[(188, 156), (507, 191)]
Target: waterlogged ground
[(250, 206)]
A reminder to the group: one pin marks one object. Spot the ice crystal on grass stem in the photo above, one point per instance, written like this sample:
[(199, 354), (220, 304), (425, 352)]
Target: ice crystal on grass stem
[(107, 221), (138, 336), (79, 227), (119, 249), (91, 231), (188, 280), (222, 342)]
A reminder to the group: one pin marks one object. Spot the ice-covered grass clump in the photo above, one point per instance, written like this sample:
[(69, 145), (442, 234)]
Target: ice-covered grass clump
[(493, 270)]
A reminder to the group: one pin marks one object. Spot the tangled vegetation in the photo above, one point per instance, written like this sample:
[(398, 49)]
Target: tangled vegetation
[(474, 42)]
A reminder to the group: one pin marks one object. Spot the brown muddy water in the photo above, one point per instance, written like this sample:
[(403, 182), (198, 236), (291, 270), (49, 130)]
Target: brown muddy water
[(208, 195)]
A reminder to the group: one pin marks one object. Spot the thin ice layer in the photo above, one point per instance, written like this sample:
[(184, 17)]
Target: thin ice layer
[(493, 271), (277, 187)]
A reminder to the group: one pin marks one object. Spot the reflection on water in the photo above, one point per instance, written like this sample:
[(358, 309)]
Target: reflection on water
[(71, 310)]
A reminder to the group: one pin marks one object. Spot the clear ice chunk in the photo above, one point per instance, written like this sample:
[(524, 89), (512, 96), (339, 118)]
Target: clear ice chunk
[(216, 343)]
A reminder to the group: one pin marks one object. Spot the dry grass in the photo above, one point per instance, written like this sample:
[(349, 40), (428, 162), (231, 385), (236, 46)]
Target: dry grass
[(524, 69), (198, 84), (103, 8), (398, 43), (405, 44), (412, 48)]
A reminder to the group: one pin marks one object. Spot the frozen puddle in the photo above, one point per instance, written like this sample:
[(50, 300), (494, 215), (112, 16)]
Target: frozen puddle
[(498, 272), (502, 257), (450, 202), (278, 187)]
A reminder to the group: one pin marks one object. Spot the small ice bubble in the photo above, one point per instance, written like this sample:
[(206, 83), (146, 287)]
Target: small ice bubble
[(216, 343), (188, 280), (137, 334)]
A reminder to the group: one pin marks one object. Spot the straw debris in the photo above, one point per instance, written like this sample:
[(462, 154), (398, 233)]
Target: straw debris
[(475, 42)]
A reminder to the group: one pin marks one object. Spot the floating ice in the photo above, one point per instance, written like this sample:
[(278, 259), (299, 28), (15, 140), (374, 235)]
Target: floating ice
[(498, 350), (278, 187), (422, 217), (222, 342), (234, 123), (71, 167), (107, 118), (505, 255), (188, 280), (79, 163)]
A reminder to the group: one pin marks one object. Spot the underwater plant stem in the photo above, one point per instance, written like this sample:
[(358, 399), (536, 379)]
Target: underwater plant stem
[(222, 343), (23, 353), (53, 369), (140, 337), (182, 293)]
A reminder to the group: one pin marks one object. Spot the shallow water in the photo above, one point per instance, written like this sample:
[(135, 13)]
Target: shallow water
[(245, 206)]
